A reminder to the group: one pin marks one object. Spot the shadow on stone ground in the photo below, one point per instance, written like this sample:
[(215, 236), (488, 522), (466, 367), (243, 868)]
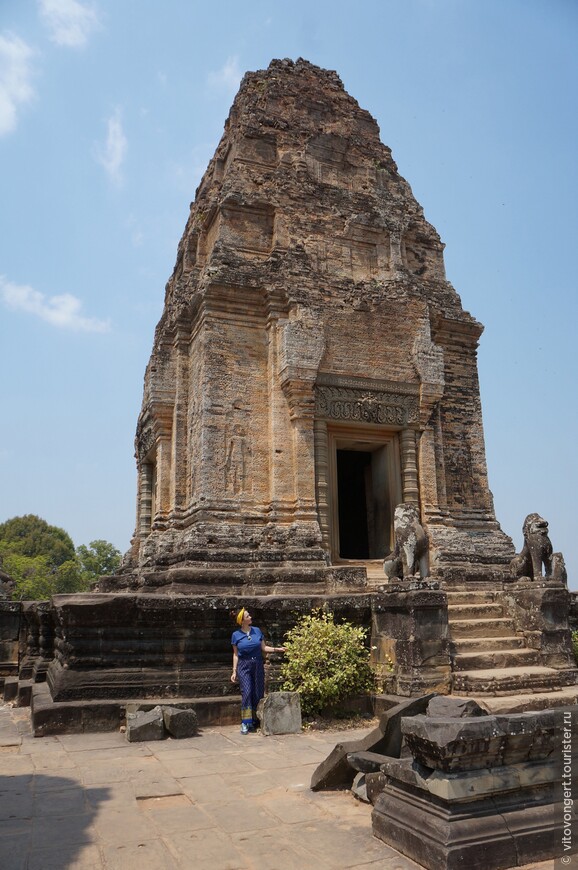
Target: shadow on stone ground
[(45, 821)]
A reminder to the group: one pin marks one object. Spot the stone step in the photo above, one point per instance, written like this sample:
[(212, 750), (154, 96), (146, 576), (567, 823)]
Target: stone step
[(490, 659), (466, 628), (514, 680), (475, 611), (522, 703), (484, 644), (376, 572), (471, 597), (24, 693), (10, 689)]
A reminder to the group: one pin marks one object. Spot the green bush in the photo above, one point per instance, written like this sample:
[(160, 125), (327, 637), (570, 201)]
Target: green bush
[(325, 662), (575, 644)]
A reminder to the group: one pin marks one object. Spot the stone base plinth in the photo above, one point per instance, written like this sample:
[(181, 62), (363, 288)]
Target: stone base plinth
[(470, 550), (89, 716), (239, 579), (492, 831), (110, 649)]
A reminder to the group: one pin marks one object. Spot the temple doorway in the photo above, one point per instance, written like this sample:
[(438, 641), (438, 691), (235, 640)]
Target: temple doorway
[(363, 504), (366, 486)]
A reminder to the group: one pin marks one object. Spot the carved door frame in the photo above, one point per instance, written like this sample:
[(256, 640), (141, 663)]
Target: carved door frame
[(363, 410), (369, 439)]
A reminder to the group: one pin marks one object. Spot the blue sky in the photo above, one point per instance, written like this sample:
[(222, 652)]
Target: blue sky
[(109, 113)]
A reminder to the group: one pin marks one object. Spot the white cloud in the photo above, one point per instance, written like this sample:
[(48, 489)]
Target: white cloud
[(15, 79), (62, 311), (112, 155), (228, 77), (69, 22)]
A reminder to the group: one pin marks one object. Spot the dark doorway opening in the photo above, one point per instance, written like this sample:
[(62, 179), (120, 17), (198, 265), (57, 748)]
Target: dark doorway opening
[(352, 466), (363, 503)]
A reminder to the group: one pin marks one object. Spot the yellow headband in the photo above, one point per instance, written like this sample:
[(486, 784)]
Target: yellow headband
[(240, 616)]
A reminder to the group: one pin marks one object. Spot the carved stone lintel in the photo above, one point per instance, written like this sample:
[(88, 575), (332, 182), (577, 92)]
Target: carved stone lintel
[(356, 400)]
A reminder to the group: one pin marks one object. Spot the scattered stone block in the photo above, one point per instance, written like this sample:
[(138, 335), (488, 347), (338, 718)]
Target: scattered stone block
[(280, 713), (180, 723), (386, 739), (143, 726)]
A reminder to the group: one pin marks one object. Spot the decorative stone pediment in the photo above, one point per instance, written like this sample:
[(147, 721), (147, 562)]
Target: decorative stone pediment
[(360, 400), (145, 443)]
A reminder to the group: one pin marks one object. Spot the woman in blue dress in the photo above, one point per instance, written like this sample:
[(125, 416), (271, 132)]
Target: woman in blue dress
[(248, 670)]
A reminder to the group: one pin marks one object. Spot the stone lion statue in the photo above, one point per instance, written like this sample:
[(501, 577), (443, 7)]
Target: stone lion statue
[(537, 551), (410, 553)]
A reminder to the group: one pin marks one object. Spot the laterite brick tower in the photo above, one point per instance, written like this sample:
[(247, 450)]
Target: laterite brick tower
[(313, 366)]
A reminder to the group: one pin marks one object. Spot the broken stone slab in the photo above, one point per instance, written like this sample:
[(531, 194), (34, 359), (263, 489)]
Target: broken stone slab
[(470, 784), (180, 723), (280, 713), (484, 741), (530, 736), (144, 726), (386, 739), (455, 744), (445, 707), (366, 762)]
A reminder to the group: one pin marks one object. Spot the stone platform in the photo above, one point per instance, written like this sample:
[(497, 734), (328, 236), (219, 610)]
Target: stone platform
[(218, 800)]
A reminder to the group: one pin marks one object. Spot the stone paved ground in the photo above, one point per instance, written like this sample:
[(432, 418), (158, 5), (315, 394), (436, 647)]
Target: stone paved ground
[(219, 801)]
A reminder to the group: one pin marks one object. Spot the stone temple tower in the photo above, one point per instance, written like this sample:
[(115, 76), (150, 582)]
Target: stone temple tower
[(312, 370), (313, 366)]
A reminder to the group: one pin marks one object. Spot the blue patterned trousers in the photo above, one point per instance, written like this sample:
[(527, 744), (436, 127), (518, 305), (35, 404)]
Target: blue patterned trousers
[(251, 674)]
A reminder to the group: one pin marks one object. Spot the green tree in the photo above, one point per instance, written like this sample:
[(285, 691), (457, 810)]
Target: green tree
[(33, 575), (98, 559), (32, 536), (325, 662), (42, 561)]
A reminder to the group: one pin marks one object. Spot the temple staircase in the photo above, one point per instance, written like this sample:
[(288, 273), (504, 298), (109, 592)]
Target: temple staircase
[(493, 663)]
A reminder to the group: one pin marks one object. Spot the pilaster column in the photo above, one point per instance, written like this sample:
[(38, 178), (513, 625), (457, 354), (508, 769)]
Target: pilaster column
[(322, 480), (163, 471), (409, 467), (301, 398), (179, 453), (432, 472), (145, 499)]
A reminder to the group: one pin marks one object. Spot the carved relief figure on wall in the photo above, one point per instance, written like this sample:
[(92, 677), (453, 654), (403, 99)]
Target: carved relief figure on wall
[(237, 461), (461, 471)]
